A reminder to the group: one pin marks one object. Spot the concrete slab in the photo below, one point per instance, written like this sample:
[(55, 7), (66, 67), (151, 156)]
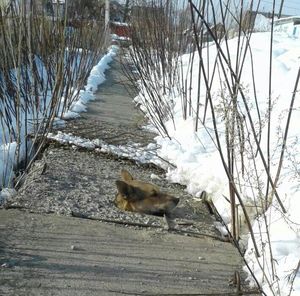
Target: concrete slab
[(57, 255)]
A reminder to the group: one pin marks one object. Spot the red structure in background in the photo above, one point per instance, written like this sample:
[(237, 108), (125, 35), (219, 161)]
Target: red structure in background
[(120, 29)]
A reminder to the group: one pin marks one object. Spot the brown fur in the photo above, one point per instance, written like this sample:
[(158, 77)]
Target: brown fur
[(138, 196)]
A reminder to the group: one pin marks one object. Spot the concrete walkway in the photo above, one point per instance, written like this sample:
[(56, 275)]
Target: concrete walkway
[(112, 116), (54, 255), (46, 251)]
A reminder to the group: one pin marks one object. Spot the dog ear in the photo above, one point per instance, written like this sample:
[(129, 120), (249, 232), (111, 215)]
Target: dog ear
[(130, 192), (123, 188), (126, 176)]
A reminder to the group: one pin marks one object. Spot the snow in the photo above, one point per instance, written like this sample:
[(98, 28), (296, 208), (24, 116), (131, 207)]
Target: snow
[(131, 150), (6, 193), (95, 78), (7, 152), (262, 24), (115, 37), (120, 24)]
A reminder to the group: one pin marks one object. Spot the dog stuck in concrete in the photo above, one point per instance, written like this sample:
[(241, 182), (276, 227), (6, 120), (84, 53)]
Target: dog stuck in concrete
[(143, 197)]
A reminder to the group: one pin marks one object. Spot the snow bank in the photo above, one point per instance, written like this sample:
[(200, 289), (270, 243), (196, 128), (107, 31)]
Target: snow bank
[(131, 150), (262, 24), (96, 77)]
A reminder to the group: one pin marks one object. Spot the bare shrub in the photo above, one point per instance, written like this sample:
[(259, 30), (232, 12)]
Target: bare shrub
[(44, 63), (239, 122)]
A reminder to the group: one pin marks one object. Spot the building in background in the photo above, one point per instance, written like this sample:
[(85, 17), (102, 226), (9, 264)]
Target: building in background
[(289, 26)]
